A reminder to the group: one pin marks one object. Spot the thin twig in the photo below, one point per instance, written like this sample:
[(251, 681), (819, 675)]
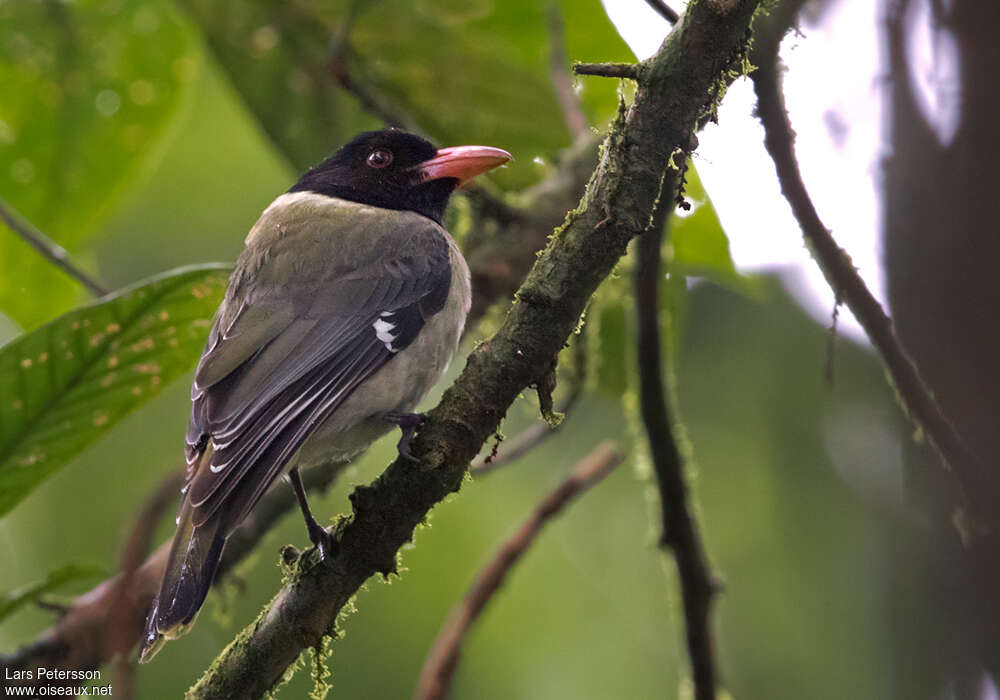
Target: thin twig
[(52, 251), (370, 100), (664, 10), (339, 67), (569, 101), (120, 628), (439, 667), (680, 529), (840, 273), (629, 71)]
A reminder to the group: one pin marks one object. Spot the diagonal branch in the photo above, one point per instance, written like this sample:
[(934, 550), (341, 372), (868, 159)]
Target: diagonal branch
[(664, 10), (680, 529), (439, 667), (50, 250), (918, 401), (677, 87), (120, 629)]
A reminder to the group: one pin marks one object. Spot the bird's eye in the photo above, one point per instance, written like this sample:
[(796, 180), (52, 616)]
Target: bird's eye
[(380, 158)]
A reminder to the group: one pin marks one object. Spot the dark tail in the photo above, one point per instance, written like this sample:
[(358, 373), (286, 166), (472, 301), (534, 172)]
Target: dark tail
[(191, 566)]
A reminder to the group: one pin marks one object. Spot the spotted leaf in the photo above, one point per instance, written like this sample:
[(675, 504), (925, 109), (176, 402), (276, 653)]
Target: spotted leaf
[(66, 383)]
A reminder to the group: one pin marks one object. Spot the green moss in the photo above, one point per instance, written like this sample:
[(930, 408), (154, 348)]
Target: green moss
[(288, 564), (320, 668)]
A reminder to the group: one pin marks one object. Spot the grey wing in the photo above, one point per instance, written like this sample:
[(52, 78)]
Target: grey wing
[(301, 362)]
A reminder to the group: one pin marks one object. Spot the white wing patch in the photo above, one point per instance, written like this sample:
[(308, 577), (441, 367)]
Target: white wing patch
[(383, 331)]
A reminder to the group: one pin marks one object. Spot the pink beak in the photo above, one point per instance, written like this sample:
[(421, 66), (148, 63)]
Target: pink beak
[(462, 163)]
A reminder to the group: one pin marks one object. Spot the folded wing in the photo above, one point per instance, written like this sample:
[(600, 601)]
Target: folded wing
[(284, 355)]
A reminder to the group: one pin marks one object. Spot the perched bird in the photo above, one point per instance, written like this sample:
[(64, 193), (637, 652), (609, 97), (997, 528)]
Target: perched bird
[(343, 310)]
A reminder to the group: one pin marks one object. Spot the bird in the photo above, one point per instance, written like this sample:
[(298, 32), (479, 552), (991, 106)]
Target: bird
[(344, 308)]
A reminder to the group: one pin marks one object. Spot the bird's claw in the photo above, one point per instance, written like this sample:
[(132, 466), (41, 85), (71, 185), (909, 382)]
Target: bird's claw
[(325, 543), (408, 424)]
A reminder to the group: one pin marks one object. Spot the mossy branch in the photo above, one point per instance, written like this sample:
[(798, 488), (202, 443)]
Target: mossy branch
[(681, 534), (676, 89)]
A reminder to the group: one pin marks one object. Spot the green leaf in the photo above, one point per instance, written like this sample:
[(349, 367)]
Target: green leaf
[(697, 245), (19, 597), (66, 383), (482, 74), (88, 88)]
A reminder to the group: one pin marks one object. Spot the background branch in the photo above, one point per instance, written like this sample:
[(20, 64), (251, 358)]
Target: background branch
[(120, 626), (918, 401), (680, 84), (370, 100), (439, 667), (109, 618), (664, 10), (572, 111), (680, 530), (52, 251)]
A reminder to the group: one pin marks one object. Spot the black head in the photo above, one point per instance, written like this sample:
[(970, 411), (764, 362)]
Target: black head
[(393, 169)]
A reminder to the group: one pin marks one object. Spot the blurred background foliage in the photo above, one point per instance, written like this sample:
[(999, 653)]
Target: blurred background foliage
[(143, 136)]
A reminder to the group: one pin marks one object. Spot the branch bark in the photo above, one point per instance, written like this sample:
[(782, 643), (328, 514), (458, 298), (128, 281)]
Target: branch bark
[(977, 482), (629, 71), (677, 88), (664, 10), (680, 529), (439, 667)]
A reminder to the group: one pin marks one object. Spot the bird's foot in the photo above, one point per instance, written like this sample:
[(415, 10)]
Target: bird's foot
[(321, 538), (408, 424)]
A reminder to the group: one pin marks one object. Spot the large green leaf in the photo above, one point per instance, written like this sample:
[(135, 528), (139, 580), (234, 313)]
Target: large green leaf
[(88, 88), (469, 71), (697, 245), (19, 597), (66, 383)]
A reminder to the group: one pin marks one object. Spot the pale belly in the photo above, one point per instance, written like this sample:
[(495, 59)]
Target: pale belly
[(397, 387)]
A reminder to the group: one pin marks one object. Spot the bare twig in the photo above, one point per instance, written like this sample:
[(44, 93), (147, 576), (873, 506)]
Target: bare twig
[(977, 482), (608, 70), (680, 529), (664, 10), (370, 100), (439, 667), (52, 251), (120, 627), (572, 111)]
